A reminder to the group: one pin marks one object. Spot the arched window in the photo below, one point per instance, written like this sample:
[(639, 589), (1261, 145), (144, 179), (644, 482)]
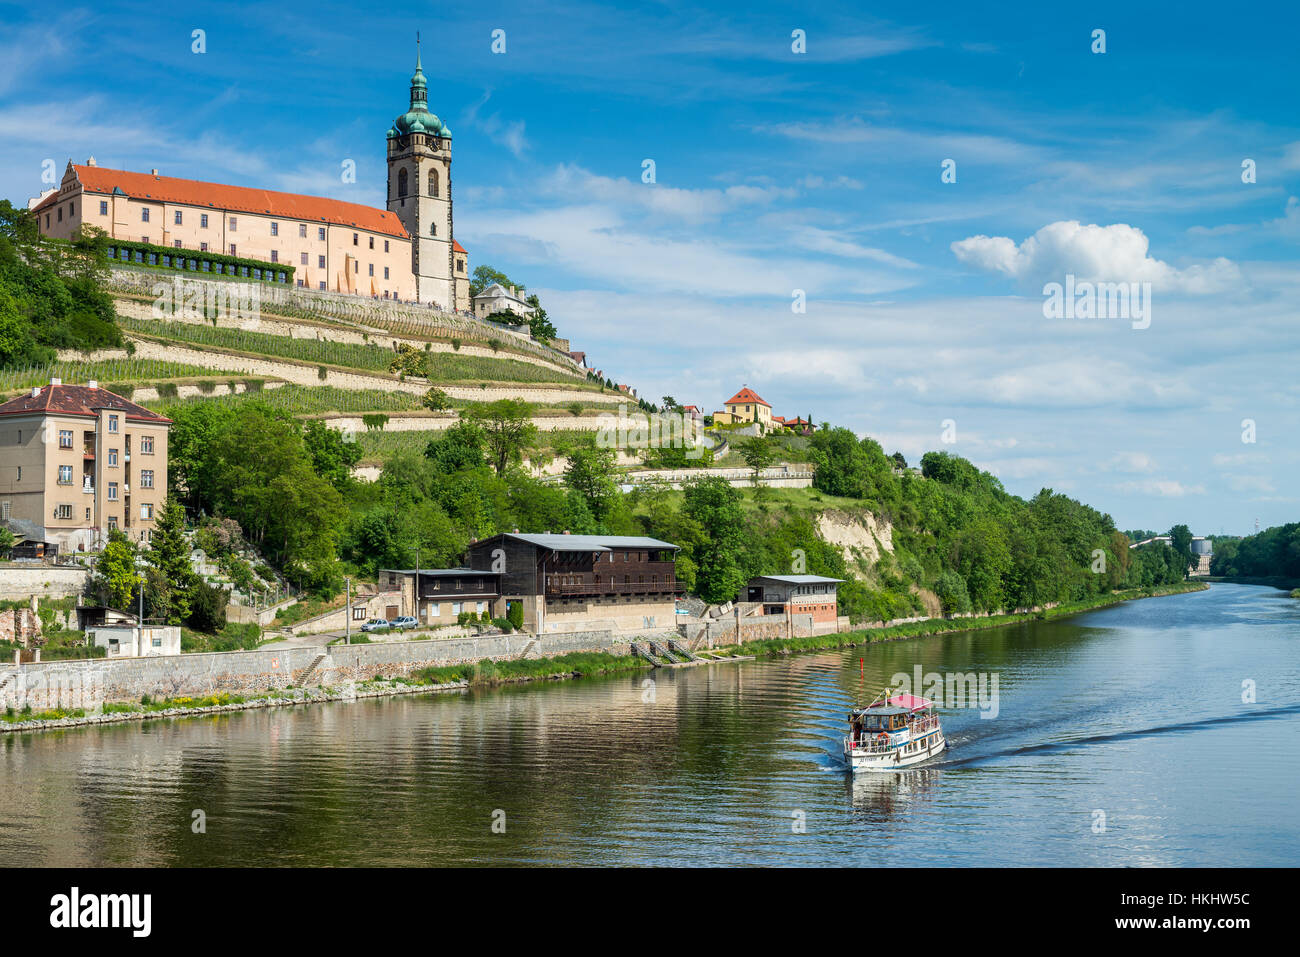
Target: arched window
[(433, 182), (433, 229), (401, 182)]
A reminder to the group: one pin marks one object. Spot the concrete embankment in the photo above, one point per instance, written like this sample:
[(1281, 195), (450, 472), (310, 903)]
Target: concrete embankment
[(88, 684)]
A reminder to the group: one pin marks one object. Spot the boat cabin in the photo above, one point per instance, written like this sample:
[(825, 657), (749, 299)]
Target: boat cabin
[(876, 720)]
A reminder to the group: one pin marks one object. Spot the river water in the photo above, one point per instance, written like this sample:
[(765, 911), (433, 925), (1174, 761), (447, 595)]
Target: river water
[(1121, 738)]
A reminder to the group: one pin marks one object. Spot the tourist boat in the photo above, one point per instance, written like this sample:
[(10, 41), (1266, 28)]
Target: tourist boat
[(892, 732)]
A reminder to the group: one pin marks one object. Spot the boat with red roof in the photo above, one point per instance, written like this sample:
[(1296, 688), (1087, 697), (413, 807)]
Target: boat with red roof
[(894, 731)]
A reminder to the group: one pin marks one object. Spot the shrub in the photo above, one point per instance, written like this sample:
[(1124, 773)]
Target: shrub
[(515, 615), (455, 344), (207, 387), (208, 608), (322, 373), (503, 624)]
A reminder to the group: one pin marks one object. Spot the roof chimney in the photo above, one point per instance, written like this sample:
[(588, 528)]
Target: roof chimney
[(153, 172), (55, 380), (36, 391), (93, 383), (91, 162)]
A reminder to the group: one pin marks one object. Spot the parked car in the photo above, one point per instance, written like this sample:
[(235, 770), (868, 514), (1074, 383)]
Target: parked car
[(374, 624), (406, 621)]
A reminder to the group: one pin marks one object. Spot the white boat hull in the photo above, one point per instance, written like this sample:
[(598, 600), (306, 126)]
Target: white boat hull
[(861, 759)]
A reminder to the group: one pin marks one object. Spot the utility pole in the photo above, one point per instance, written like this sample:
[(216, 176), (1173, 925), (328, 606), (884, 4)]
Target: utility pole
[(347, 613)]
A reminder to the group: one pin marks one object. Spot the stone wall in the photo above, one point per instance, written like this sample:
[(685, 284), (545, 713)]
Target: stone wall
[(87, 684), (21, 625), (19, 580)]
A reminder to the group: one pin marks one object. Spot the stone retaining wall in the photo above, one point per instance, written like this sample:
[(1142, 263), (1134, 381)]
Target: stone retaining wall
[(19, 580), (88, 684)]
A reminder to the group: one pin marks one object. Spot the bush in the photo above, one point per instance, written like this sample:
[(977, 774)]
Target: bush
[(515, 615), (503, 624), (208, 608)]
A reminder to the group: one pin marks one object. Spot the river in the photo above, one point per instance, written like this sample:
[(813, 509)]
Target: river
[(1121, 738)]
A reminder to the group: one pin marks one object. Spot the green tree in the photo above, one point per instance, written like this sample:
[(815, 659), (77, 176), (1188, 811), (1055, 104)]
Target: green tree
[(333, 456), (463, 446), (1180, 539), (436, 400), (759, 453), (508, 430), (115, 573), (485, 276), (590, 473), (169, 554), (7, 542), (539, 325), (719, 558)]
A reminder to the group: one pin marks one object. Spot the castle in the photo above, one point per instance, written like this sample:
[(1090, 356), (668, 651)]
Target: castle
[(406, 251)]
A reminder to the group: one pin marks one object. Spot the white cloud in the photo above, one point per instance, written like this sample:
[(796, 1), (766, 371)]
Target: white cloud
[(1163, 488), (1115, 253), (507, 133)]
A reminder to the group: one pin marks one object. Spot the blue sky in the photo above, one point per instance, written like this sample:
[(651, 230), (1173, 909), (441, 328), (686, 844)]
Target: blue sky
[(777, 171)]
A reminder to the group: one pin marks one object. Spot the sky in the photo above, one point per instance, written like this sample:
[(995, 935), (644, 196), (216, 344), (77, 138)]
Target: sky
[(864, 230)]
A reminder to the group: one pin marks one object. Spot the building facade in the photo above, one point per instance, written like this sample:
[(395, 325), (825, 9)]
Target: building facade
[(570, 583), (497, 298), (77, 461), (405, 252), (787, 595), (438, 596), (745, 406)]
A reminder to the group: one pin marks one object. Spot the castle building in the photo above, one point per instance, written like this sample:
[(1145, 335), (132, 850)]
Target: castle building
[(406, 252)]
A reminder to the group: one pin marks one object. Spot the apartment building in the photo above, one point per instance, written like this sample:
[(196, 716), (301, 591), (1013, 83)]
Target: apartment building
[(77, 461)]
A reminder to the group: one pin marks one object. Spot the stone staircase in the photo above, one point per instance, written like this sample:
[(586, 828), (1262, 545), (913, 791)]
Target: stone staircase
[(310, 671), (681, 649)]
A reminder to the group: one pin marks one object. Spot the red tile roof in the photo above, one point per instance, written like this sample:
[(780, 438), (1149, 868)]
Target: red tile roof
[(455, 244), (747, 395), (242, 199), (78, 400)]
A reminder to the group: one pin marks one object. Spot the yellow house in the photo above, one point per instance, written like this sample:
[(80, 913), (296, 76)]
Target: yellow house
[(745, 406)]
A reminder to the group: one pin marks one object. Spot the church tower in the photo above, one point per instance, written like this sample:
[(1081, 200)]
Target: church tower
[(419, 192)]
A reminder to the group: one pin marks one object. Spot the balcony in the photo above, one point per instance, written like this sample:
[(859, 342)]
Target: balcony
[(556, 588)]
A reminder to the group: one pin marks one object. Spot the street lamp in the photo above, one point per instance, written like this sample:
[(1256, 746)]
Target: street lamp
[(347, 613)]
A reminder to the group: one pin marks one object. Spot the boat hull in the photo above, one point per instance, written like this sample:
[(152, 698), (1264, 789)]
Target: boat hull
[(862, 760)]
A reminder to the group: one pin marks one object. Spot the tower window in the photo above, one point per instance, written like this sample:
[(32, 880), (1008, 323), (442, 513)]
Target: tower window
[(401, 182), (433, 182), (433, 229)]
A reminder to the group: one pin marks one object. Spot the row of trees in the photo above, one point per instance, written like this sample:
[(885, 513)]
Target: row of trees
[(1274, 552)]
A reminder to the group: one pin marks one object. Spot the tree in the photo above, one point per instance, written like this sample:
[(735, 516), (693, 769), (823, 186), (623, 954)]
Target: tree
[(408, 360), (7, 542), (590, 473), (115, 573), (508, 430), (436, 400), (463, 446), (332, 455), (716, 507), (539, 326), (208, 608), (1180, 538), (759, 453), (485, 276), (169, 554)]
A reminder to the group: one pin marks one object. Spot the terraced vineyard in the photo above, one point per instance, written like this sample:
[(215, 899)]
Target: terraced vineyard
[(443, 366), (105, 370)]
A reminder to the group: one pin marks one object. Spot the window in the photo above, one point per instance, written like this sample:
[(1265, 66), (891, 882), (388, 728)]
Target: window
[(153, 257), (112, 522), (232, 249), (112, 491), (372, 242), (433, 182), (146, 444), (371, 267), (455, 608), (434, 611), (320, 233), (356, 239), (177, 244), (146, 511), (203, 247), (356, 266), (275, 255), (359, 613), (385, 272), (156, 642), (302, 259), (433, 229), (103, 207), (65, 474), (112, 423), (60, 214), (146, 478), (385, 245), (320, 262), (63, 511), (322, 285), (88, 514), (301, 284), (65, 439), (144, 214), (203, 220), (275, 229), (112, 456), (302, 230), (177, 218), (401, 182), (460, 265), (233, 223)]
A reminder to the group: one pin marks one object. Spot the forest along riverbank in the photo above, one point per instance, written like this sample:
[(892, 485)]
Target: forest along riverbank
[(489, 672)]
